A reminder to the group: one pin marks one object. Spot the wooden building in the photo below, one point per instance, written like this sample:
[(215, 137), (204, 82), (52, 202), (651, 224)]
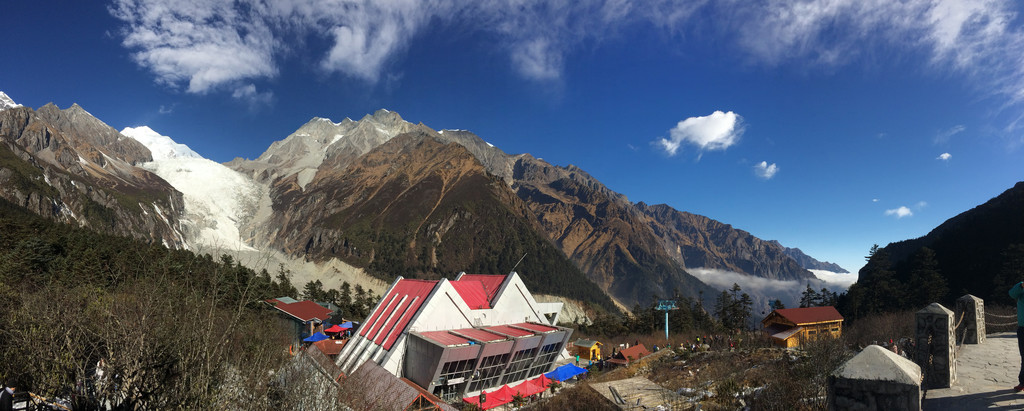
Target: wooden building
[(789, 326), (587, 349)]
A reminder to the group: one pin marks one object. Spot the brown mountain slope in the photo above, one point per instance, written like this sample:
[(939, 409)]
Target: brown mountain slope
[(418, 207), (71, 167), (698, 241)]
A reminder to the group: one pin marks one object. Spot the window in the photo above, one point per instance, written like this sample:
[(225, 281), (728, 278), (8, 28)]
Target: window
[(490, 371), (548, 355), (520, 365)]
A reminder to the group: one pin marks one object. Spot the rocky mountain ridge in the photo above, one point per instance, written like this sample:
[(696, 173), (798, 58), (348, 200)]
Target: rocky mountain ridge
[(380, 193), (630, 253), (71, 167)]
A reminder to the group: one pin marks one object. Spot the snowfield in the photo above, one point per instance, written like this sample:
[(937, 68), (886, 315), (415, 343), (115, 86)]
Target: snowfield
[(218, 200)]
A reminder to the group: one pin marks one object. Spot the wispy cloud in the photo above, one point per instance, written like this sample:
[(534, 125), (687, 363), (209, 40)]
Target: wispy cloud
[(944, 157), (900, 212), (716, 131), (765, 170), (202, 45), (205, 44), (255, 99), (943, 136), (972, 38)]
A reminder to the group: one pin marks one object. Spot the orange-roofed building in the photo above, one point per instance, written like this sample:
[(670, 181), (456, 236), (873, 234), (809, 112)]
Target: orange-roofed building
[(789, 326)]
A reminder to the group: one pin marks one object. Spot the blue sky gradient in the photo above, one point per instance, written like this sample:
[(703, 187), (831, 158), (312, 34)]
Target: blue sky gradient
[(837, 113)]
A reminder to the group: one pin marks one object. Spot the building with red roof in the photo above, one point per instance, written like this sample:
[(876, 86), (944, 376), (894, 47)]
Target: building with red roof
[(457, 337), (789, 326)]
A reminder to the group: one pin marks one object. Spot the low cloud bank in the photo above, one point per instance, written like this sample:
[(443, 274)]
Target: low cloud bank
[(762, 290)]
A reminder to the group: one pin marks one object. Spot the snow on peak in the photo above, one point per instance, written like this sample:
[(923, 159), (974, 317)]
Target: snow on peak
[(6, 102), (162, 147)]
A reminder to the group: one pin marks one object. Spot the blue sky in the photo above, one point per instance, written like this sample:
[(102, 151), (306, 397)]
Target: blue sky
[(827, 125)]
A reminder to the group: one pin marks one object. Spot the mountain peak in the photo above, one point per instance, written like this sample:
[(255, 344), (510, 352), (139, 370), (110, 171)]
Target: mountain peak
[(162, 147), (7, 102)]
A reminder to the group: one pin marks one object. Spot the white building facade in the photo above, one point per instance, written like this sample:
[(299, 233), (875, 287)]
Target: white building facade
[(455, 338)]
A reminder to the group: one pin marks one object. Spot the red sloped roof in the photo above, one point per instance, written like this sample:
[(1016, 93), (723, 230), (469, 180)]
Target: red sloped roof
[(635, 352), (540, 328), (504, 329), (409, 296), (473, 293), (810, 314), (480, 335), (305, 310), (330, 347), (444, 338), (491, 282)]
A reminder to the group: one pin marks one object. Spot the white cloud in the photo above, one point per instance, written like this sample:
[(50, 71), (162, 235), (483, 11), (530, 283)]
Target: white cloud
[(900, 212), (972, 38), (944, 157), (248, 94), (839, 281), (922, 204), (765, 170), (716, 131), (763, 289), (201, 45), (874, 200)]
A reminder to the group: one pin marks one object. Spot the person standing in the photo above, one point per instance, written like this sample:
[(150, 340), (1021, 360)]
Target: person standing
[(7, 399), (1017, 293)]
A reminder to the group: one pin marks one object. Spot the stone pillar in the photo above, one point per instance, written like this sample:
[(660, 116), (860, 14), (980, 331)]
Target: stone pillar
[(936, 346), (875, 379), (973, 311)]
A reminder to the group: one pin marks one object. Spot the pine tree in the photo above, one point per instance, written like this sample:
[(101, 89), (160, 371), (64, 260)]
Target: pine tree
[(926, 282), (809, 298)]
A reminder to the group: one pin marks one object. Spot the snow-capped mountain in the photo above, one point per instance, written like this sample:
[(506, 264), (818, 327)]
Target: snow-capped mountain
[(217, 199), (162, 147), (6, 102)]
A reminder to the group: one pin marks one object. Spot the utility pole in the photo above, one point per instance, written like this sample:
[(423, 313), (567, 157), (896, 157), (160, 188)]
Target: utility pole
[(666, 306)]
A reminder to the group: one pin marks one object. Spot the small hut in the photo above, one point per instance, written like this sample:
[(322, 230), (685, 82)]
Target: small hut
[(587, 349)]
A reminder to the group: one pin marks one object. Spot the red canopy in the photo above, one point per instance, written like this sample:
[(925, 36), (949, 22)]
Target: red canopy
[(498, 397), (335, 329), (534, 386)]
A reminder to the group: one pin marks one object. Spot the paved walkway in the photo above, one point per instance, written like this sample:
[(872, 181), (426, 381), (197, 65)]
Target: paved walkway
[(986, 374)]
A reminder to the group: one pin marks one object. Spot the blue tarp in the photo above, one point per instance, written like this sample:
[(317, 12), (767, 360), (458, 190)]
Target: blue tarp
[(319, 336), (565, 372), (347, 324)]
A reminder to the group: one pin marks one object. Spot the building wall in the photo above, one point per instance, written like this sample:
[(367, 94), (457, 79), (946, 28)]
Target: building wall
[(444, 309), (833, 329)]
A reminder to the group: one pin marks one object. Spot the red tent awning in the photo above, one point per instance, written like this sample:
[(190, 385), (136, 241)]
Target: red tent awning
[(335, 329), (500, 396)]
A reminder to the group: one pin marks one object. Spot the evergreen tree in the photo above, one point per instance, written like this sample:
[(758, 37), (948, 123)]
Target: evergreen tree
[(1011, 272), (926, 282), (809, 298)]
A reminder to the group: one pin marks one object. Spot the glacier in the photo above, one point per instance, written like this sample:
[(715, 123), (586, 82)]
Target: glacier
[(218, 200)]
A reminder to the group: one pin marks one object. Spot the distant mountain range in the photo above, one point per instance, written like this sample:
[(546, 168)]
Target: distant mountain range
[(392, 197)]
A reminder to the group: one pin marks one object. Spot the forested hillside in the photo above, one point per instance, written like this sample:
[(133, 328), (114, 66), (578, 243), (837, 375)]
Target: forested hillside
[(92, 317), (978, 252)]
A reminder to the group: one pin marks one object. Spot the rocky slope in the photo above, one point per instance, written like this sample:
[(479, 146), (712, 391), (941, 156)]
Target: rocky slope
[(71, 167), (809, 262), (632, 251)]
